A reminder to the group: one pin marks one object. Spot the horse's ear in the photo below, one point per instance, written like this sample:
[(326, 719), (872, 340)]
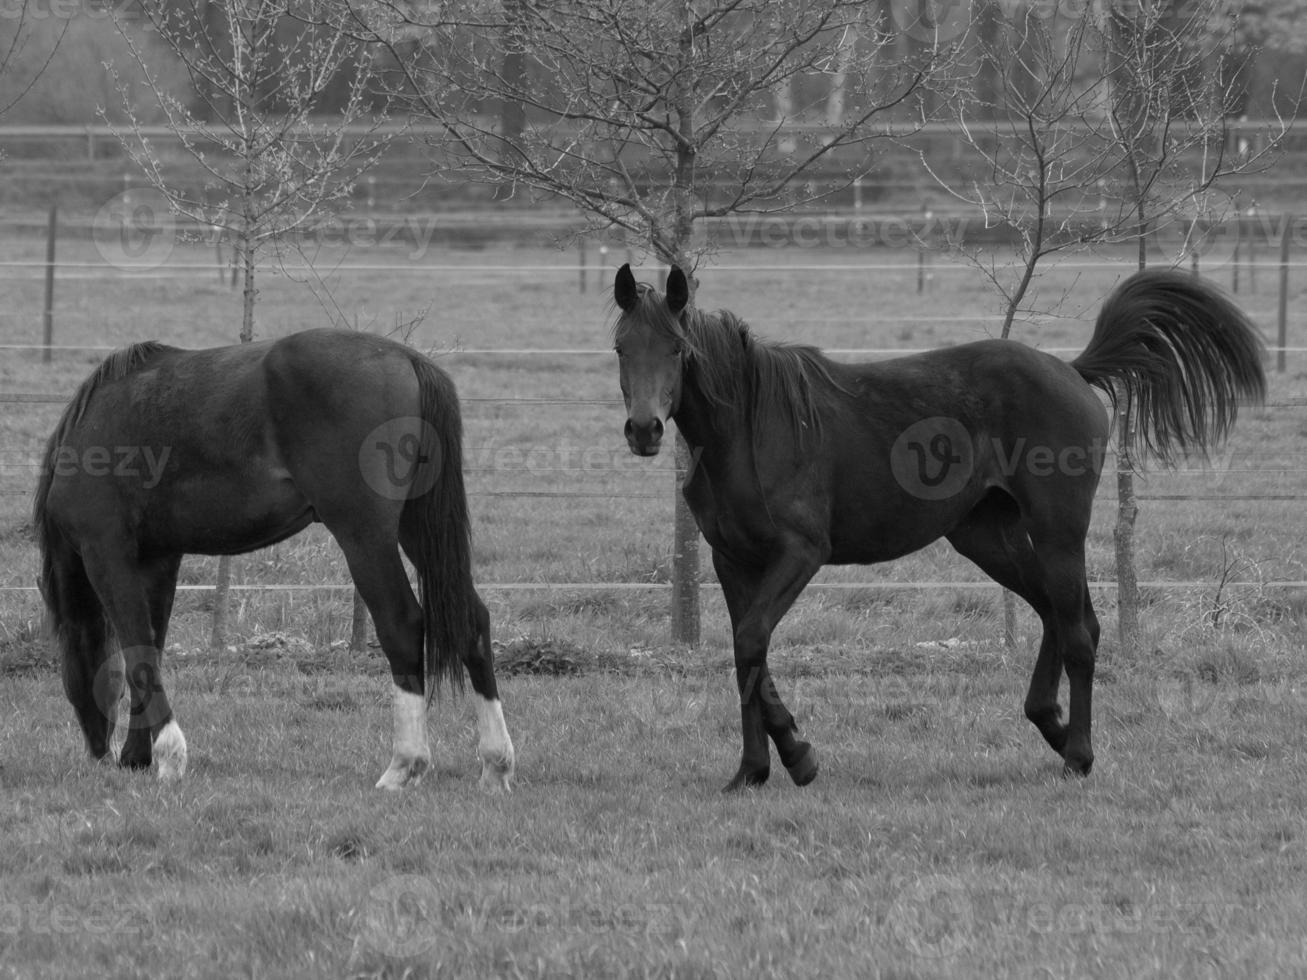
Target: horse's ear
[(678, 290), (624, 288)]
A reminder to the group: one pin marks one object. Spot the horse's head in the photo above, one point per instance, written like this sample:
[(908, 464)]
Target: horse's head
[(651, 349)]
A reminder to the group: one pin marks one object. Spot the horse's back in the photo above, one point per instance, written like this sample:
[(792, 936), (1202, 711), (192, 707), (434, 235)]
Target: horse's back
[(987, 382), (229, 448), (331, 387)]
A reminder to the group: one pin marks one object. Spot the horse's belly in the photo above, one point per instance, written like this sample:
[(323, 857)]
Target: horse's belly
[(866, 536), (222, 517)]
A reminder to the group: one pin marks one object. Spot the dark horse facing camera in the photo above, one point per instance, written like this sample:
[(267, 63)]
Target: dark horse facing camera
[(804, 462)]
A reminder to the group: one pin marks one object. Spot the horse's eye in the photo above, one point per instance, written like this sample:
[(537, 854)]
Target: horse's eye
[(678, 348), (617, 349)]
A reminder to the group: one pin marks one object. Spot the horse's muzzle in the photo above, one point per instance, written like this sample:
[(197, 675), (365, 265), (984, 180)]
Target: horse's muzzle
[(644, 439)]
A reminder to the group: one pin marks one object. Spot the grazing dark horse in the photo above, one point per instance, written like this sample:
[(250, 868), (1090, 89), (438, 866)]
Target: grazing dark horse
[(164, 452), (802, 461)]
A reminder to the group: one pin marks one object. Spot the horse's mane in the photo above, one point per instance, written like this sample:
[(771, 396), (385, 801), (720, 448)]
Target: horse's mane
[(771, 379), (734, 367), (116, 366)]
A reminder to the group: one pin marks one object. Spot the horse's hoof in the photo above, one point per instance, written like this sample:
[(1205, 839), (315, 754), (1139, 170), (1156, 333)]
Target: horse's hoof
[(402, 773), (746, 779), (497, 774), (137, 753), (170, 752), (805, 770)]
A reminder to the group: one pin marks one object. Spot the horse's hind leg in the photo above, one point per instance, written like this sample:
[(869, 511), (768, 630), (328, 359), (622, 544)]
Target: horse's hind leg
[(494, 747), (1051, 577), (1077, 631), (137, 597), (381, 580), (993, 538), (92, 687)]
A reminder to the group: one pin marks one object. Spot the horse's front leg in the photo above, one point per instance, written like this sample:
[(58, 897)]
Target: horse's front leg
[(757, 598)]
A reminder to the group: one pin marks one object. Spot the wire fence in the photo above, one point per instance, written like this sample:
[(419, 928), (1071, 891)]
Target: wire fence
[(26, 459)]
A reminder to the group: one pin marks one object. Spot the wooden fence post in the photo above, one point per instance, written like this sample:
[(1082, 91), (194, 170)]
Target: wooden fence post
[(358, 633), (47, 320), (1282, 326)]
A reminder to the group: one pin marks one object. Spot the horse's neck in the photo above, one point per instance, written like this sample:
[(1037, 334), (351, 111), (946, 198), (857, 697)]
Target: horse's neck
[(714, 431)]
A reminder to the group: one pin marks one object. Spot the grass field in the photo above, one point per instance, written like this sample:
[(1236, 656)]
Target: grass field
[(939, 839)]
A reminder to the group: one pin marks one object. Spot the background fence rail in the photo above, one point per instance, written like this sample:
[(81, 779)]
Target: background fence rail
[(15, 323)]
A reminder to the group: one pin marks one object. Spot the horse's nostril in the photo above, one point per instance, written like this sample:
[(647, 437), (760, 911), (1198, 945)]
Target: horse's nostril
[(630, 428), (657, 428)]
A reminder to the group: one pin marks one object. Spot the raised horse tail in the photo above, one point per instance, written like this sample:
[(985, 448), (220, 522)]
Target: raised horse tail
[(1180, 355), (443, 533)]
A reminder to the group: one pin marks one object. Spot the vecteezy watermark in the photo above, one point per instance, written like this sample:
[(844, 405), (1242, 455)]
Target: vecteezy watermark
[(35, 11), (933, 917), (135, 230), (138, 229), (55, 919), (1209, 234), (401, 458), (940, 916), (935, 458), (931, 21), (674, 699), (143, 463), (144, 696), (821, 231), (407, 915), (399, 915)]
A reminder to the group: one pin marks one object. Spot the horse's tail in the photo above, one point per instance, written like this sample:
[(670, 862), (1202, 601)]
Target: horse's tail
[(75, 618), (1180, 354), (444, 532)]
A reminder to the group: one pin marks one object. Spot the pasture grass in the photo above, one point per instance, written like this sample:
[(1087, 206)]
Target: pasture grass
[(939, 840)]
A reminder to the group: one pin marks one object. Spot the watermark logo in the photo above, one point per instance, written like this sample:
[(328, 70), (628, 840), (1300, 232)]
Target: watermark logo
[(933, 459), (144, 464), (135, 230), (932, 917), (400, 459), (674, 700), (932, 21), (1209, 234), (143, 680), (939, 916), (399, 915)]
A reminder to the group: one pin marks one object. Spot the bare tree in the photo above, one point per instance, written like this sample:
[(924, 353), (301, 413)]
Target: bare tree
[(653, 117), (1168, 101), (257, 69), (1101, 130), (270, 168), (28, 45)]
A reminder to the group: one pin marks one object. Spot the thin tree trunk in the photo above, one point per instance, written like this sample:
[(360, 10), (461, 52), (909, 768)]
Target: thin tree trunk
[(222, 587), (1123, 537), (512, 111), (1127, 512), (685, 534), (839, 81)]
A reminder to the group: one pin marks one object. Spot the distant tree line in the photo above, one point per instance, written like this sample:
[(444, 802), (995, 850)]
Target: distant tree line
[(63, 58)]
